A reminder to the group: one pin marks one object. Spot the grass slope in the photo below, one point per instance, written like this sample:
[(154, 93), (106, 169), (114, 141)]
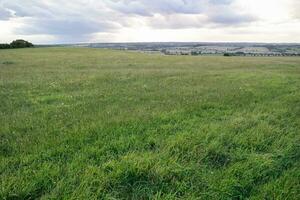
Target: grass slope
[(103, 124)]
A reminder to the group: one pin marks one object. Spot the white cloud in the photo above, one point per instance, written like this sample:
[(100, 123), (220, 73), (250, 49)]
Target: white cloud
[(53, 21), (295, 5)]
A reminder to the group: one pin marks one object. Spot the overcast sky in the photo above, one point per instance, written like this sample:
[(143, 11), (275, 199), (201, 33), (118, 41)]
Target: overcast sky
[(62, 21)]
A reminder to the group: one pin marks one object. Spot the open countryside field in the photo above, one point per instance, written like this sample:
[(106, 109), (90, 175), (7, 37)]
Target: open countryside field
[(79, 123)]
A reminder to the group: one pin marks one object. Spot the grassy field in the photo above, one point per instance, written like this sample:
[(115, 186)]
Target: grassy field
[(103, 124)]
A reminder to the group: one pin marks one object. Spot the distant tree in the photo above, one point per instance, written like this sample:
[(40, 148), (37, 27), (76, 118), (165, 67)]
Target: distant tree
[(240, 53), (227, 54), (164, 51), (195, 53), (4, 46), (20, 44)]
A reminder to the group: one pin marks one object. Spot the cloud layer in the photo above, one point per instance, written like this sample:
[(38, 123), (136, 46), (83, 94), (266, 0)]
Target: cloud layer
[(82, 21)]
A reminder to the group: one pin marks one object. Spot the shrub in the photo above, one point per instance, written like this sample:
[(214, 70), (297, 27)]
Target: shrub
[(4, 46), (7, 63), (17, 44), (20, 44)]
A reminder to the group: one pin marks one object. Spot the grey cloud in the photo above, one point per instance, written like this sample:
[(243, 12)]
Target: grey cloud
[(217, 11), (27, 8), (62, 27), (4, 14), (146, 7), (64, 30), (70, 22), (79, 19), (232, 19), (221, 2)]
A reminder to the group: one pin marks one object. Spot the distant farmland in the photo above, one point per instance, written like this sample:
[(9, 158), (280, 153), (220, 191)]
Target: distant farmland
[(79, 123), (203, 49)]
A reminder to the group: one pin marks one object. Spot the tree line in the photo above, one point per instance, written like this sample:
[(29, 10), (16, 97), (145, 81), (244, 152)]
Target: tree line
[(17, 44)]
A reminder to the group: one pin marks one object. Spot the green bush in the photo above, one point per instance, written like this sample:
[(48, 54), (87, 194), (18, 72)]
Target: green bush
[(17, 44), (4, 46), (20, 44)]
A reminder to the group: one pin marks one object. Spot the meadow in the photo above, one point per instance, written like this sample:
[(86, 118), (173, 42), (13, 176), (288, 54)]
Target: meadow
[(79, 123)]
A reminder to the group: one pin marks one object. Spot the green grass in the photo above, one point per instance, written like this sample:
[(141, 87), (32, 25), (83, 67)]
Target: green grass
[(102, 124)]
